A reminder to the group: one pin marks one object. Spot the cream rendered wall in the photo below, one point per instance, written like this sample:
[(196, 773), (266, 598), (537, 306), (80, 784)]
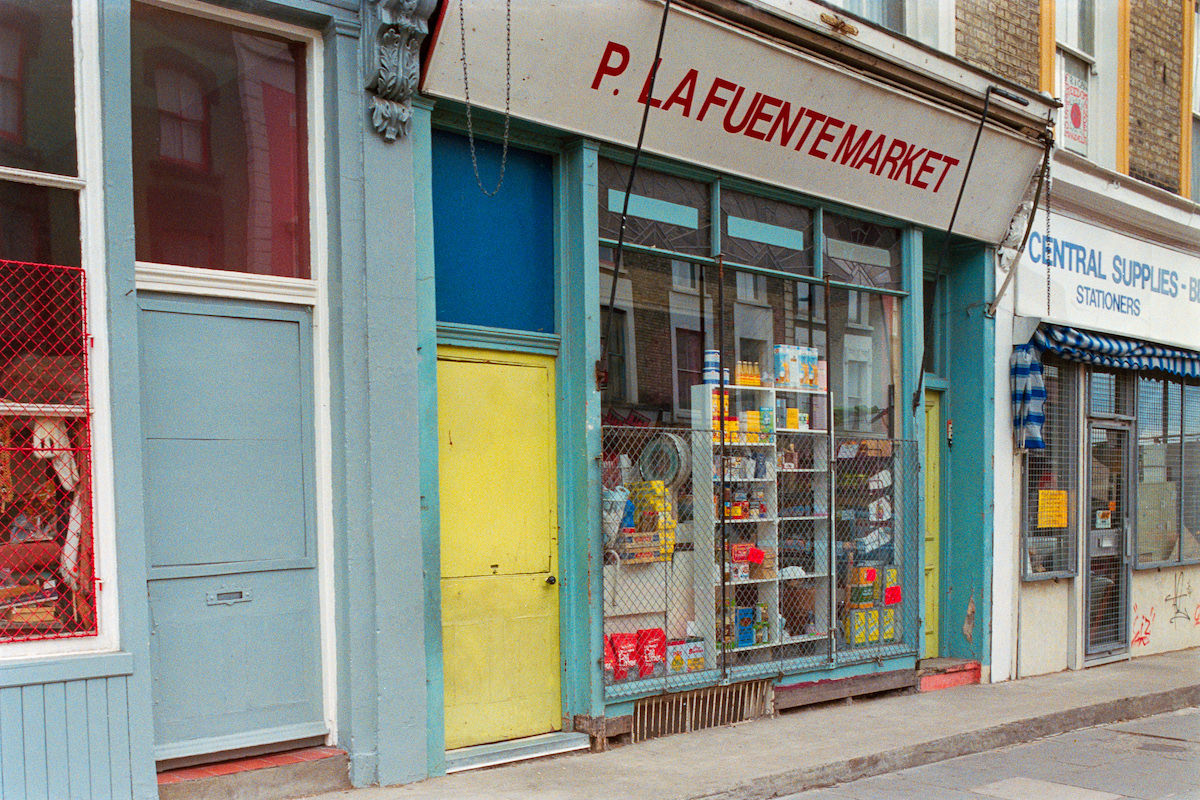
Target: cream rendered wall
[(1164, 609), (1044, 627)]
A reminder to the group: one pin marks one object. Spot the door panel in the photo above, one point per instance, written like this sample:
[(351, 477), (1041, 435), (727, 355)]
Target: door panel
[(228, 492), (1108, 519), (933, 522), (497, 467)]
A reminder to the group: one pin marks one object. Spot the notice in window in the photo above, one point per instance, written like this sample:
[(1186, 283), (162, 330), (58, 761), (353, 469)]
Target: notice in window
[(1052, 508), (1075, 111)]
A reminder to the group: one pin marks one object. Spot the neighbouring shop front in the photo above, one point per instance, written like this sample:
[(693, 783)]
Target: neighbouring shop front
[(1110, 482), (732, 450)]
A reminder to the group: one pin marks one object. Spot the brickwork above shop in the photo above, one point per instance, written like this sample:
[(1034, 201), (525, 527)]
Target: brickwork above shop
[(1005, 44), (1155, 62)]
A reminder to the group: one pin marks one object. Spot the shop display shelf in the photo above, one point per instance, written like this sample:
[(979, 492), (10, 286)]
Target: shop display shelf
[(747, 582), (747, 519), (800, 389), (802, 430), (810, 470), (745, 444), (804, 518), (717, 479), (8, 408), (750, 647), (806, 576), (803, 637)]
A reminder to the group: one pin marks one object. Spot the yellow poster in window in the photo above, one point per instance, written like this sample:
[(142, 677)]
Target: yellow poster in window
[(1052, 508)]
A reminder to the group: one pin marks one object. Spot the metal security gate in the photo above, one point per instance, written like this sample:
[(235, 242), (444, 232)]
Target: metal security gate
[(1108, 521)]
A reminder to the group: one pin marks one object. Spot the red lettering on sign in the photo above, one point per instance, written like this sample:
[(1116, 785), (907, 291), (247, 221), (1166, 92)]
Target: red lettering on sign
[(894, 151), (645, 95), (754, 101), (824, 136), (784, 123), (921, 170), (812, 117), (714, 99), (683, 93), (607, 67), (762, 115), (950, 162), (848, 149), (873, 153), (906, 163)]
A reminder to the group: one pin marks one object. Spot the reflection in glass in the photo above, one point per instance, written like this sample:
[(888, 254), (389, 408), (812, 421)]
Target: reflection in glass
[(862, 253), (37, 86), (1189, 547), (1158, 453), (761, 232), (39, 224), (665, 211), (219, 146)]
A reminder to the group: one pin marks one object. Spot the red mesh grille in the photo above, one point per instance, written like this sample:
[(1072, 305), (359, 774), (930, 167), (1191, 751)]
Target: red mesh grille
[(47, 585)]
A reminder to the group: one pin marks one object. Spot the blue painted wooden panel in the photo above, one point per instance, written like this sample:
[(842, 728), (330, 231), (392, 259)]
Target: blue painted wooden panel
[(259, 666), (65, 741), (494, 256)]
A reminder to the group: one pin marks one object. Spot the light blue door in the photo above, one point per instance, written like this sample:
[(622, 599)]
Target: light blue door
[(227, 418)]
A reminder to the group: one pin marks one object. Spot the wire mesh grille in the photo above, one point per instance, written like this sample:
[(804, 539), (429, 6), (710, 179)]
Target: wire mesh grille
[(736, 557), (1050, 480), (699, 709), (47, 589)]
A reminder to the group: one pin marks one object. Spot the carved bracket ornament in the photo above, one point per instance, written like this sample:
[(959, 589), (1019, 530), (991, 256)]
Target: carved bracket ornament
[(393, 33)]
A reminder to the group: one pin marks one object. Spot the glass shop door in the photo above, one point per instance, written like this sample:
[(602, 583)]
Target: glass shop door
[(1108, 520)]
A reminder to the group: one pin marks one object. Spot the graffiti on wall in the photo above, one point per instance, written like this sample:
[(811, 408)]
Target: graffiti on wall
[(1180, 600), (1141, 626)]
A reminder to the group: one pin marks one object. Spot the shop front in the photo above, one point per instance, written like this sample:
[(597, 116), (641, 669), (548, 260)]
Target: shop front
[(731, 446), (1110, 482)]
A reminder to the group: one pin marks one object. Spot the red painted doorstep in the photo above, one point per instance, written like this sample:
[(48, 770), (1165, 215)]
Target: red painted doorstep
[(961, 675), (247, 764)]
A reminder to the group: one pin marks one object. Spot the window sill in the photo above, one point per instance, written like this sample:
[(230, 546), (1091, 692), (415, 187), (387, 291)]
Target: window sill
[(61, 668), (225, 283)]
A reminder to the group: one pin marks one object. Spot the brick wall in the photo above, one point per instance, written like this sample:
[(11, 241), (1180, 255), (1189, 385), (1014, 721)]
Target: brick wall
[(1004, 43), (1155, 63)]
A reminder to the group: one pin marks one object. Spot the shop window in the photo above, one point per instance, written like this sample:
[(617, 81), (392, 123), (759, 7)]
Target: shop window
[(1195, 195), (685, 275), (617, 390), (862, 253), (182, 118), (1110, 394), (1048, 528), (1075, 25), (751, 288), (689, 355), (37, 86), (865, 348), (665, 211), (766, 233), (493, 247), (1168, 477), (220, 145)]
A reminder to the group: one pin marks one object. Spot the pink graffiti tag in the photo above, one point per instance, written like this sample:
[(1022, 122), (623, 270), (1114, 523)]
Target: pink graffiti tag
[(1197, 616), (1141, 627)]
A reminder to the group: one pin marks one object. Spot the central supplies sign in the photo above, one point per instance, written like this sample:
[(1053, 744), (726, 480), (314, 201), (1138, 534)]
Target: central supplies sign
[(733, 102), (1108, 282)]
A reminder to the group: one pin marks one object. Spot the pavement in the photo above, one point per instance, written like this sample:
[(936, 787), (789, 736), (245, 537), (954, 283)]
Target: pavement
[(1152, 758), (833, 743)]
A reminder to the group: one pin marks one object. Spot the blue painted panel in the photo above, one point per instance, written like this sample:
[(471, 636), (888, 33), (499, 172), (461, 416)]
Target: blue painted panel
[(224, 501), (100, 785), (58, 782), (494, 256), (229, 688), (12, 744), (33, 718), (655, 209), (78, 750), (118, 737), (765, 232)]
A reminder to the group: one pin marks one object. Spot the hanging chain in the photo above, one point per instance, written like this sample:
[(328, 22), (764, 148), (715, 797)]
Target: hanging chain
[(1046, 241), (462, 30)]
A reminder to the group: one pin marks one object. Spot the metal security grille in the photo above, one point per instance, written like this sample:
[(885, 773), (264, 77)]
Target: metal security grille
[(1050, 495), (47, 589), (790, 547), (699, 709), (877, 538)]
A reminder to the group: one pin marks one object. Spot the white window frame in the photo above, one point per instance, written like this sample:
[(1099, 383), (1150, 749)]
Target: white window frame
[(311, 292)]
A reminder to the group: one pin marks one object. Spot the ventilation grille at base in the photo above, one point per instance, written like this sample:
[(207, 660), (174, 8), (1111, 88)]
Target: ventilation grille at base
[(699, 709)]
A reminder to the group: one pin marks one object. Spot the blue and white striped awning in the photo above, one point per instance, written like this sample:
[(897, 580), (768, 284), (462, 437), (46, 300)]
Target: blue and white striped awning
[(1111, 351)]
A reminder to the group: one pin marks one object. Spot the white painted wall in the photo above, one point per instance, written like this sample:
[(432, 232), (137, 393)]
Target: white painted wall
[(1164, 609)]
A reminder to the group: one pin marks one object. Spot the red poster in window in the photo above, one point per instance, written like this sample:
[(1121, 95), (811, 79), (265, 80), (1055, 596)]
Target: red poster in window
[(1075, 110)]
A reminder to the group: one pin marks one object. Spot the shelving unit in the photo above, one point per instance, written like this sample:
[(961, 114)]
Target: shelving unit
[(787, 474)]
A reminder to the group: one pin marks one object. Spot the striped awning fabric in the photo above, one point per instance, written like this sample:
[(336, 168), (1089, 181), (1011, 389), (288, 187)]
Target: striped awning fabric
[(1028, 397), (1111, 351)]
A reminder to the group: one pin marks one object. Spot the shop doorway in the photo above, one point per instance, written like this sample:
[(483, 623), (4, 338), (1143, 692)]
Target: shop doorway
[(499, 543), (1107, 526), (933, 523)]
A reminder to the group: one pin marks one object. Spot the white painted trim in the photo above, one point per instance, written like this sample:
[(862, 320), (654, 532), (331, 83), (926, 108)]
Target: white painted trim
[(90, 185), (225, 283), (295, 291), (44, 178)]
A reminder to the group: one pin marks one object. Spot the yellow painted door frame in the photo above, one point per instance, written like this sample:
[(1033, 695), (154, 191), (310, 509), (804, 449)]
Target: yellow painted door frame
[(497, 471), (933, 522)]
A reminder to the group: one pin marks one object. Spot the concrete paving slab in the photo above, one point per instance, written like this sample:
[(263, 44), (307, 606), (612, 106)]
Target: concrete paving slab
[(1183, 724), (821, 746), (1027, 788)]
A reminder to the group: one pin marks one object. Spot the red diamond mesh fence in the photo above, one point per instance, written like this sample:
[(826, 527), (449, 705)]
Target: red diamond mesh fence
[(47, 585)]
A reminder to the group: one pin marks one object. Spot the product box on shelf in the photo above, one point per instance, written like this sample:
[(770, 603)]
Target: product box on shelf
[(862, 626), (745, 626), (887, 624), (685, 655)]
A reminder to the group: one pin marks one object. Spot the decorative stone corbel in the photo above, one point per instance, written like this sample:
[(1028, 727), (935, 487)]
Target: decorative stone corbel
[(393, 31)]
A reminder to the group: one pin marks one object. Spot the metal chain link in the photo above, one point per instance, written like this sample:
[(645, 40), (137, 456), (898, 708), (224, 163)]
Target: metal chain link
[(462, 30)]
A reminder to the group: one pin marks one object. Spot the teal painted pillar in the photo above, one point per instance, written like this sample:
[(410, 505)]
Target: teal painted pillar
[(125, 387), (374, 334), (580, 547), (967, 528), (431, 541)]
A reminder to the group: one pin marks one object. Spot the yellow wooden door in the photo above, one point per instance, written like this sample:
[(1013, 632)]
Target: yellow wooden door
[(499, 534), (933, 520)]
